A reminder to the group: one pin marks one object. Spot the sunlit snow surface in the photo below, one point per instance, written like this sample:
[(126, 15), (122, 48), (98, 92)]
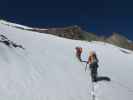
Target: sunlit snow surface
[(48, 70)]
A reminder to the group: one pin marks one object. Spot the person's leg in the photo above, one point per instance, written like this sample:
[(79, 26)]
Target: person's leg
[(95, 77), (94, 74)]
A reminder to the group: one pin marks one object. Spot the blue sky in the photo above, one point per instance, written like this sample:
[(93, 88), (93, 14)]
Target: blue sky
[(100, 16)]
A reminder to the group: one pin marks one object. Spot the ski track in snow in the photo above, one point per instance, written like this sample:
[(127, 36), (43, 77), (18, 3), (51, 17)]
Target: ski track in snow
[(48, 70)]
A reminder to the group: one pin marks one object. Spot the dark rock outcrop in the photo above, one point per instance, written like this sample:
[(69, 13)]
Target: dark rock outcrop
[(72, 32), (120, 40)]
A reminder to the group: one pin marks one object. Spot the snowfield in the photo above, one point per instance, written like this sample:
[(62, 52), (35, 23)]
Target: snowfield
[(47, 68), (14, 25)]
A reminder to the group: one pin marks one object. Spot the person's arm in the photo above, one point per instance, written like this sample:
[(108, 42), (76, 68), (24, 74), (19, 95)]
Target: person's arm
[(97, 59), (89, 60)]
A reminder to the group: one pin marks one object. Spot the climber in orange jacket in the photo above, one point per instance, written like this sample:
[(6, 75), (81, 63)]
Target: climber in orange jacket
[(79, 51)]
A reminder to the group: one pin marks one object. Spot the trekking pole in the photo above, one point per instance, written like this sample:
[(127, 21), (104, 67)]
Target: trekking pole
[(86, 67)]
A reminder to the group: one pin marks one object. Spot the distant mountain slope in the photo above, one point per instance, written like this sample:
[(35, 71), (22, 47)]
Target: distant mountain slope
[(75, 32), (14, 25)]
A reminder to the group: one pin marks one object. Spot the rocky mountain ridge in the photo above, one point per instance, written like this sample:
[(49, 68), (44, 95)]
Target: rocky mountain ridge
[(77, 33)]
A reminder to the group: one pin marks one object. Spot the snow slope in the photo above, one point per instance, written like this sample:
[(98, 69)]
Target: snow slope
[(14, 25), (48, 70)]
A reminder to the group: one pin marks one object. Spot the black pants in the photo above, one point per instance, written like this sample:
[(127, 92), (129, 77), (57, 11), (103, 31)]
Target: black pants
[(93, 69)]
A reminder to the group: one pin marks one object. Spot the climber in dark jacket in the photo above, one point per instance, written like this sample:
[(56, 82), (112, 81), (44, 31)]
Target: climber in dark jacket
[(93, 65)]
